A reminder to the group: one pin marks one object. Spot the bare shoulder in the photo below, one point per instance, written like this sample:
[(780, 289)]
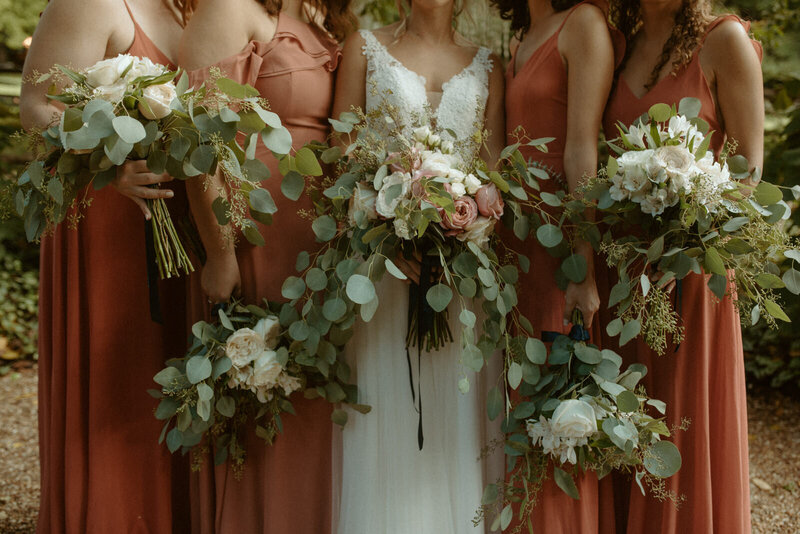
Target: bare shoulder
[(586, 17), (728, 38), (111, 12)]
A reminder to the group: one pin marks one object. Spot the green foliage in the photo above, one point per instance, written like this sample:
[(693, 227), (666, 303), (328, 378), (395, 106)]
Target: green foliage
[(18, 19), (19, 285)]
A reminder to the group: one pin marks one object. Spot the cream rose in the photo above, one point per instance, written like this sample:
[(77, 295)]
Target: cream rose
[(573, 419), (266, 370), (270, 329), (472, 183), (108, 71), (156, 100), (436, 164), (289, 383), (113, 93), (479, 231), (244, 346), (675, 160)]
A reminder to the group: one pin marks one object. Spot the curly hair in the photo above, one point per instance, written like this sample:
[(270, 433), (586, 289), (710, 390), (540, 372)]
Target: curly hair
[(339, 20), (518, 13), (688, 30)]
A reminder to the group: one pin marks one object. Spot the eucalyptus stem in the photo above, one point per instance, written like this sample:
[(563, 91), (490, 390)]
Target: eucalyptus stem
[(171, 257)]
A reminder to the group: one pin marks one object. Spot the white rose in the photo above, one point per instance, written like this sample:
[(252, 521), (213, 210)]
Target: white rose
[(436, 164), (633, 172), (156, 100), (402, 229), (387, 201), (434, 139), (266, 370), (479, 231), (472, 183), (676, 161), (458, 189), (456, 175), (101, 74), (244, 346), (112, 93), (144, 67), (447, 147), (363, 199), (573, 419), (270, 329), (421, 134)]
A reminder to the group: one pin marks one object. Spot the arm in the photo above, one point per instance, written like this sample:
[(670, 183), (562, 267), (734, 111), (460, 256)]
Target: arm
[(495, 115), (64, 37), (739, 86), (351, 77), (586, 47)]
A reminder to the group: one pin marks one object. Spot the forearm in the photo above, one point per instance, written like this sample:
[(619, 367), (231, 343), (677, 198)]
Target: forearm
[(217, 239)]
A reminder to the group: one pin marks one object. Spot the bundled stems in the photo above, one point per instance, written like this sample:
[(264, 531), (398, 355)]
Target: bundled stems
[(170, 255)]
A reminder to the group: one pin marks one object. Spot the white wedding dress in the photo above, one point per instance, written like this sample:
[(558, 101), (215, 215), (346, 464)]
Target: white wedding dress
[(383, 482)]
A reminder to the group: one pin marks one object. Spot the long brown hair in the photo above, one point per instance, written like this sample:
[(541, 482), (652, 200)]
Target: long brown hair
[(339, 20), (691, 22), (519, 14)]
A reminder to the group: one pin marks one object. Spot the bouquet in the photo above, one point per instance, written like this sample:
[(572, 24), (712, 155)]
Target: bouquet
[(131, 108), (407, 194), (577, 410), (671, 208), (245, 370)]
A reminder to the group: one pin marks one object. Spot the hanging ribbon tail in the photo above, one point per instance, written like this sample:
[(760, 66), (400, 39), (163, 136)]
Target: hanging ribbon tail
[(152, 274), (425, 316), (678, 302)]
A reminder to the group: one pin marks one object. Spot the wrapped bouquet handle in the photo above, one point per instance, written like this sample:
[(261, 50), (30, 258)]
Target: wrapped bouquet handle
[(578, 332)]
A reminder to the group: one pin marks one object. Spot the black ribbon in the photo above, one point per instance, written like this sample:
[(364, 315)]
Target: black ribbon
[(418, 303), (152, 273), (578, 332)]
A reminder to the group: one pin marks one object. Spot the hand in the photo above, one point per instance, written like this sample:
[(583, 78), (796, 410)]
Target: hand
[(585, 298), (132, 180), (655, 277), (411, 268), (220, 278)]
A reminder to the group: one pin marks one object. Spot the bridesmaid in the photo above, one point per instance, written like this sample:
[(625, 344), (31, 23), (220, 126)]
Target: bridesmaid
[(287, 50), (102, 469), (557, 84), (676, 49)]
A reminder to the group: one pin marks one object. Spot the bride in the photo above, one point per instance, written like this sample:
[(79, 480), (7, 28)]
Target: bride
[(388, 480)]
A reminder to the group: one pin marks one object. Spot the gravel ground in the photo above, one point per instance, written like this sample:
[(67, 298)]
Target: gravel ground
[(774, 458)]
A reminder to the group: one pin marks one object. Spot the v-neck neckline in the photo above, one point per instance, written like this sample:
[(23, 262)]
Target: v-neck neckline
[(423, 80)]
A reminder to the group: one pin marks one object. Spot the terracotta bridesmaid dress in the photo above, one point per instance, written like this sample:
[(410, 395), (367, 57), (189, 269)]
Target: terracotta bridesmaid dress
[(102, 469), (286, 487), (536, 99), (704, 379)]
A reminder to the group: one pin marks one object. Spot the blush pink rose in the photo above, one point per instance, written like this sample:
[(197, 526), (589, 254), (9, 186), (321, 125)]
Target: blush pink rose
[(490, 202), (466, 211)]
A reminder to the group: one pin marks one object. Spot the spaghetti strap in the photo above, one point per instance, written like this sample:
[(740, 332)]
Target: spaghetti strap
[(130, 13)]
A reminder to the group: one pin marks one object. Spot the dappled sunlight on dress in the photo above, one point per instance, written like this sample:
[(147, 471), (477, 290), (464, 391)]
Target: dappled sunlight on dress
[(704, 379), (285, 488), (536, 100), (102, 467)]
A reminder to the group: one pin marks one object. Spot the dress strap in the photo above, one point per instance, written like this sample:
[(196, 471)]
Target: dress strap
[(130, 13)]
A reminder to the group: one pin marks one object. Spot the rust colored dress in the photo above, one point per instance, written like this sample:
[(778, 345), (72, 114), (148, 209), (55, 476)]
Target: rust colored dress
[(102, 468), (285, 487), (704, 380), (536, 99)]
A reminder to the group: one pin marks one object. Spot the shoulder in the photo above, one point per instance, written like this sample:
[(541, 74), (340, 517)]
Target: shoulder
[(727, 44), (586, 17), (110, 11), (354, 44)]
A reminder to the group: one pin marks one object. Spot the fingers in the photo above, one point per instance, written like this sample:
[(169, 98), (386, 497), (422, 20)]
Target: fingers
[(410, 269), (148, 192), (134, 166), (142, 206), (588, 317)]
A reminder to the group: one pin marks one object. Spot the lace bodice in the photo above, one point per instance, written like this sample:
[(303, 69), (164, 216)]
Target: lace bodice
[(462, 105)]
